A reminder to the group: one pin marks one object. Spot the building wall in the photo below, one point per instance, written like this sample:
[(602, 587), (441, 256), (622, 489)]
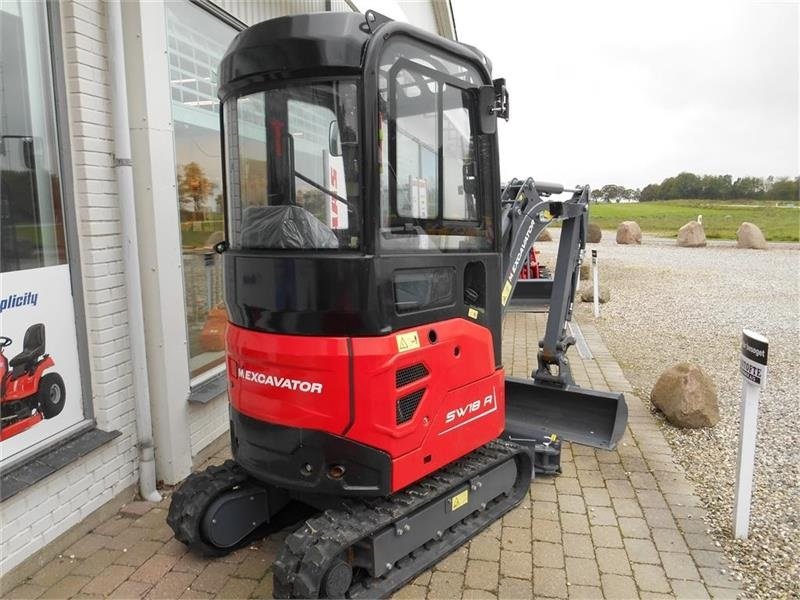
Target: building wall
[(207, 422), (44, 511)]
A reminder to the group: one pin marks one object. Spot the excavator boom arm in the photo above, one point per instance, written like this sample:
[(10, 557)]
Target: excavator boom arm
[(525, 216)]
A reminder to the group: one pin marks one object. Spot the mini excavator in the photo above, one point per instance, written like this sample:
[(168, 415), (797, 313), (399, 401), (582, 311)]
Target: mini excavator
[(370, 254)]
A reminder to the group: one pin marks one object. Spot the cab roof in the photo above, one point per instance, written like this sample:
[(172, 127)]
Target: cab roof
[(295, 46), (318, 44)]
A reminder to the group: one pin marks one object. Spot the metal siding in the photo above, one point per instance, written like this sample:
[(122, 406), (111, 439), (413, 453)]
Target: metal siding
[(420, 14), (444, 18), (250, 12), (433, 15), (340, 6)]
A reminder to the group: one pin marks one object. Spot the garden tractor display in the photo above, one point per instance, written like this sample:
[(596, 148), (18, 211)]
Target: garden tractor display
[(27, 393), (368, 261), (535, 284), (533, 269)]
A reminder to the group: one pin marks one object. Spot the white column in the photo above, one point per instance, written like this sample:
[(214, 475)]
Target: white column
[(158, 220)]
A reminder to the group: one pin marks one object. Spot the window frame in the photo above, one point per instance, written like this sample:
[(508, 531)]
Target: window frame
[(69, 205), (463, 86), (199, 377), (62, 122)]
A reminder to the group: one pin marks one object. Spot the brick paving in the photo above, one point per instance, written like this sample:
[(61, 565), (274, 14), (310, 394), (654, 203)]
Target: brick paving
[(622, 524)]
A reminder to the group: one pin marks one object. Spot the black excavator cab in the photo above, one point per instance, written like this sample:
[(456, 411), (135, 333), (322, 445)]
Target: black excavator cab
[(338, 143)]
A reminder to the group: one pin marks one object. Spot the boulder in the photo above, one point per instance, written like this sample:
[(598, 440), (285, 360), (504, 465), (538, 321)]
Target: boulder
[(686, 396), (692, 235), (545, 236), (629, 232), (750, 236), (593, 233), (587, 293)]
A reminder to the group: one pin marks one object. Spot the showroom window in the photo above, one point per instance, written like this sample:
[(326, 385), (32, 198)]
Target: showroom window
[(30, 213), (41, 388), (196, 41)]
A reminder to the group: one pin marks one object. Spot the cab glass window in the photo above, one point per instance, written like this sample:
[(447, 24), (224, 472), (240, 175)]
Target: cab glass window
[(430, 197), (293, 161)]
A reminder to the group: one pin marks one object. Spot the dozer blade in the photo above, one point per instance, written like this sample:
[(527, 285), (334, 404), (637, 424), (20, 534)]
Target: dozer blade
[(534, 411), (531, 295)]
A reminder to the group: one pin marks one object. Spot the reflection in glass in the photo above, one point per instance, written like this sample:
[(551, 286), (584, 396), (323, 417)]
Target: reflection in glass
[(293, 168), (196, 42), (31, 215)]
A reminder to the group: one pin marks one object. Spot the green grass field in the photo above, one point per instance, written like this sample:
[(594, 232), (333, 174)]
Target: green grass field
[(721, 218)]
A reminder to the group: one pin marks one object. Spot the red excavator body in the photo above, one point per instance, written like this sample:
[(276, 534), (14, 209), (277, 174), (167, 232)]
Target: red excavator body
[(439, 398)]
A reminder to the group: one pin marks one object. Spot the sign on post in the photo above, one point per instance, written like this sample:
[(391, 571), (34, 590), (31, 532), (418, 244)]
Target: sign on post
[(753, 367)]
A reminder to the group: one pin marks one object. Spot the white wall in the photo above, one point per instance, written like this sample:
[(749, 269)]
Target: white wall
[(207, 422), (44, 511)]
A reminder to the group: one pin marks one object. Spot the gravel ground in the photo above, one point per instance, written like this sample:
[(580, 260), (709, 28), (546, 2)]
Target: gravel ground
[(670, 305)]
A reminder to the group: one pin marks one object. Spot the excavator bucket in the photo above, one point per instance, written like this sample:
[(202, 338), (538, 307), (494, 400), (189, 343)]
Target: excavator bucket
[(531, 295), (550, 403), (535, 411)]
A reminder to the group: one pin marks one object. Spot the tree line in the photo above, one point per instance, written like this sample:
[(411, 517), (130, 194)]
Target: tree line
[(710, 187), (615, 193)]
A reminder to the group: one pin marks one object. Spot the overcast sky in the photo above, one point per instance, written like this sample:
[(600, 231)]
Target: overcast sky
[(632, 92)]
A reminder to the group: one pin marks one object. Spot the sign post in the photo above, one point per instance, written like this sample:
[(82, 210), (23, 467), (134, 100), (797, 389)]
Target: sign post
[(595, 284), (753, 366)]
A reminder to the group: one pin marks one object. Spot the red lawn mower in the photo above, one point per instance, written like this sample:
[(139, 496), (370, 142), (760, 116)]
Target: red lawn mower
[(532, 269), (27, 393)]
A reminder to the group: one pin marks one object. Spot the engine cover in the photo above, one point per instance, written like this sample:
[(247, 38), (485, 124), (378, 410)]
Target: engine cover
[(423, 396)]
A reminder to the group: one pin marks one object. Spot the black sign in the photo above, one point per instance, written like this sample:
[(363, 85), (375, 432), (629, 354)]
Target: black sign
[(753, 362), (754, 347)]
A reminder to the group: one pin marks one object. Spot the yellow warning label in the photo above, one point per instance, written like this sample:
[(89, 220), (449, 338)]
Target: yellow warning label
[(506, 293), (407, 341), (459, 500), (473, 313)]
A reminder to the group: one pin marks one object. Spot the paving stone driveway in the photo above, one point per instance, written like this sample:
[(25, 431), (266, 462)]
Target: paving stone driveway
[(623, 524)]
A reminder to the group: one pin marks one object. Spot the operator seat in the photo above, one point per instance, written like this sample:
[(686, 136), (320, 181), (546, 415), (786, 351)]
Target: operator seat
[(32, 349)]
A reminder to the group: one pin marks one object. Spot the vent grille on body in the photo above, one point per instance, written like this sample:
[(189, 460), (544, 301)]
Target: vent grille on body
[(410, 374), (407, 405)]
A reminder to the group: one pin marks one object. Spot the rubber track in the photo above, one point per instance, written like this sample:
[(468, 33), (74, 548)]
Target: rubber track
[(308, 551), (192, 498)]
